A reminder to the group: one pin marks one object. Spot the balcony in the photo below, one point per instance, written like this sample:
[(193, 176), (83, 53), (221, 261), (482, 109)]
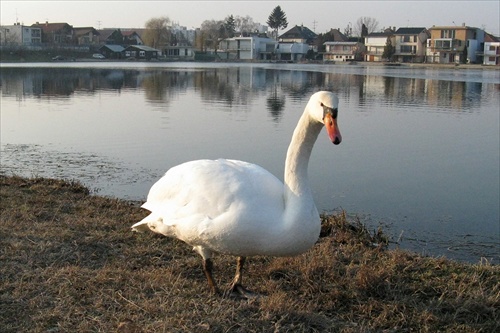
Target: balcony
[(447, 44)]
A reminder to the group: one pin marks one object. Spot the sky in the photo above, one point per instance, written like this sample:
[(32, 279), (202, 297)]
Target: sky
[(319, 16)]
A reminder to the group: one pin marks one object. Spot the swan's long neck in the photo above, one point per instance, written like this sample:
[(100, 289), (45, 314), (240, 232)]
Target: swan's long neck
[(297, 160)]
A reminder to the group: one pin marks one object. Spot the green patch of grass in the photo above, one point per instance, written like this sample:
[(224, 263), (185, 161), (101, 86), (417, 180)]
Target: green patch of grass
[(69, 263)]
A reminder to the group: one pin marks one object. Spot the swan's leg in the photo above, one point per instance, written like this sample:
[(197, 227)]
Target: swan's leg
[(236, 286), (207, 269)]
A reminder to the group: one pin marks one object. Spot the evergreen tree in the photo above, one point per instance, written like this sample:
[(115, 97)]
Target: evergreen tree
[(230, 26), (389, 50), (364, 31), (277, 20)]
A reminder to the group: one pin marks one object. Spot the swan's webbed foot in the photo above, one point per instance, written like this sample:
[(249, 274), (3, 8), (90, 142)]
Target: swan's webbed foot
[(237, 290)]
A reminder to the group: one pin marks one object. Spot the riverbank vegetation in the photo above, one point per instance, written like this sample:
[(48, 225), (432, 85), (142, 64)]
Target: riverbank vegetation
[(69, 263)]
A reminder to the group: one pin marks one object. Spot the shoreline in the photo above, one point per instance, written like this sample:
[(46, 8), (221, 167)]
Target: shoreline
[(69, 263), (358, 63)]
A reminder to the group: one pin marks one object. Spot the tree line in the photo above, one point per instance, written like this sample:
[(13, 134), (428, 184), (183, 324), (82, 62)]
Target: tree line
[(158, 33)]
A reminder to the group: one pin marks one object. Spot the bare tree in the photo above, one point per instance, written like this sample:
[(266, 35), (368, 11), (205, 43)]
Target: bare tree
[(212, 32), (245, 24), (157, 33), (365, 25)]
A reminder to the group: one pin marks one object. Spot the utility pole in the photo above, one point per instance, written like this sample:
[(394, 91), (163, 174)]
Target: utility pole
[(314, 25)]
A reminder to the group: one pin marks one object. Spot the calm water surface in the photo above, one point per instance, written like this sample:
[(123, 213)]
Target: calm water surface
[(420, 154)]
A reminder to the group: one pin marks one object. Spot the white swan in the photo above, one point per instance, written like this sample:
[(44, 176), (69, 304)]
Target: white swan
[(238, 208)]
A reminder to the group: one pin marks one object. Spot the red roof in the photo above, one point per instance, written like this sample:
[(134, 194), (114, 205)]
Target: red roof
[(51, 27)]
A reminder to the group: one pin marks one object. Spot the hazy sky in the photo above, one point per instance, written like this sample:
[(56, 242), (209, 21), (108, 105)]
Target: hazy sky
[(319, 16)]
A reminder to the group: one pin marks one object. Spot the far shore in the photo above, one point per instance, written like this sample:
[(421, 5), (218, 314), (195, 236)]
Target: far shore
[(44, 57)]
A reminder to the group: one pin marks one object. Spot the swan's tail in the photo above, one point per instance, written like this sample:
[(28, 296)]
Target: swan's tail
[(148, 223), (141, 225), (154, 223)]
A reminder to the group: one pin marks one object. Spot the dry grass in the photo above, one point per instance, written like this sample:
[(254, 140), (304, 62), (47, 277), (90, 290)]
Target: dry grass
[(69, 263)]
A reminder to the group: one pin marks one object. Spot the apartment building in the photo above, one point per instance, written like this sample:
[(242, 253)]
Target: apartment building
[(455, 44), (18, 34), (375, 44), (491, 50), (410, 44)]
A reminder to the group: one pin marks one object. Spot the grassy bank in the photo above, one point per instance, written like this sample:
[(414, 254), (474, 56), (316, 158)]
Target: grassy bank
[(69, 263), (22, 55)]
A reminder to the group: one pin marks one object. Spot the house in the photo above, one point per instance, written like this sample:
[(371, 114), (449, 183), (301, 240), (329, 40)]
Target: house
[(18, 35), (248, 48), (455, 44), (298, 34), (86, 36), (343, 51), (295, 43), (55, 33), (181, 43), (410, 44), (334, 35), (179, 52), (120, 37), (110, 36), (132, 37), (141, 52), (491, 50), (375, 44), (292, 52), (112, 51)]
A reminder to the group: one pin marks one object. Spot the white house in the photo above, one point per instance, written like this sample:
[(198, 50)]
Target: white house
[(375, 44), (343, 51), (291, 51), (248, 48), (491, 50), (411, 44), (18, 34)]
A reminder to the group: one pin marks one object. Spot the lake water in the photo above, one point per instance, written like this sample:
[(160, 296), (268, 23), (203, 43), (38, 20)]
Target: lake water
[(420, 150)]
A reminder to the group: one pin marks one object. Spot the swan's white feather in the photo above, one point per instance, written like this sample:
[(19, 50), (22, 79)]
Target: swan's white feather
[(206, 201)]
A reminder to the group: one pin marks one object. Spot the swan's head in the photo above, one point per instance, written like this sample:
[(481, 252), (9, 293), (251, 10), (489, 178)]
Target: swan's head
[(324, 107)]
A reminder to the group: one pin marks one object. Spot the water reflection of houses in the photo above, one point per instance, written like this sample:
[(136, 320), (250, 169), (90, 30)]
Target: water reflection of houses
[(240, 84), (415, 93), (60, 82)]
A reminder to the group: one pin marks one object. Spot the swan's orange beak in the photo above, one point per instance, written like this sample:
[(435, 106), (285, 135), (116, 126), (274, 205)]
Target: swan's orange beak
[(332, 129)]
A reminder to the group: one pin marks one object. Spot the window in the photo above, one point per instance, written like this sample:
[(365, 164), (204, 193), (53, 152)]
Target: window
[(406, 39), (443, 44), (447, 33), (492, 47), (407, 49)]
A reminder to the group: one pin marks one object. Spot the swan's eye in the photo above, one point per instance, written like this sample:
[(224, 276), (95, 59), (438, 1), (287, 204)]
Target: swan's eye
[(335, 113)]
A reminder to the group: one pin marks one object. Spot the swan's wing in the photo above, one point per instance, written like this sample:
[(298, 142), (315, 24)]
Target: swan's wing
[(204, 190)]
